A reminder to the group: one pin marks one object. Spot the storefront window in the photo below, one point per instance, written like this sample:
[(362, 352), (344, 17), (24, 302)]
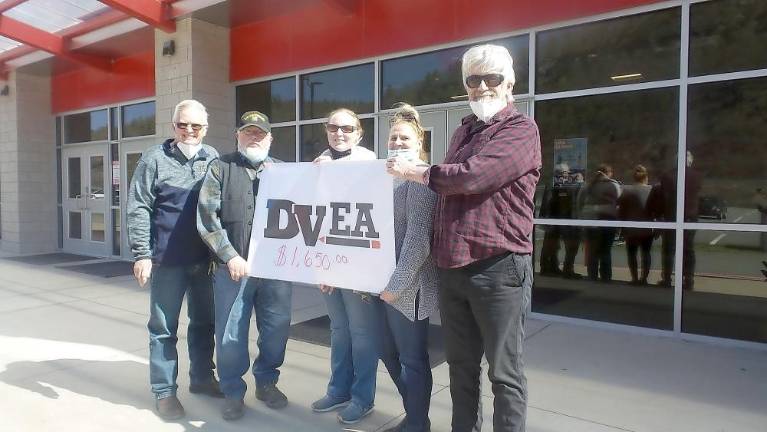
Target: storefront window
[(351, 87), (605, 274), (724, 291), (627, 50), (726, 132), (276, 99), (727, 36), (579, 136), (138, 120), (435, 77), (284, 144), (314, 139), (84, 127)]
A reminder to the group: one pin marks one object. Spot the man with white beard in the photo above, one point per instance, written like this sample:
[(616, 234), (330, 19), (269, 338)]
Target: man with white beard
[(482, 241), (225, 221), (171, 257)]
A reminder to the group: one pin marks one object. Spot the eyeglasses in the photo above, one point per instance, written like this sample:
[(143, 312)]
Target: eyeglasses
[(253, 132), (345, 128), (492, 80), (195, 127)]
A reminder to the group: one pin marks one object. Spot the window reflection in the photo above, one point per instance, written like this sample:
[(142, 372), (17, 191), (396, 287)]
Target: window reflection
[(435, 77), (603, 273), (284, 144), (592, 146), (322, 92), (727, 296), (727, 36), (83, 127), (276, 99), (726, 131), (314, 139), (627, 50), (138, 120)]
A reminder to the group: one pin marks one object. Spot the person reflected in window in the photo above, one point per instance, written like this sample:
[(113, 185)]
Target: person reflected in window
[(632, 206), (662, 205), (600, 202), (559, 202), (760, 202)]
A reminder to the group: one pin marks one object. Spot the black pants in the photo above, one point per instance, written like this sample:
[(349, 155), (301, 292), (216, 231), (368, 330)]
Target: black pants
[(635, 243), (483, 308), (599, 259)]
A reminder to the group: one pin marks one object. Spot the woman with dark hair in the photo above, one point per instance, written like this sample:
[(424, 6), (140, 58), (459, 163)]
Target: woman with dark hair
[(632, 206), (600, 202)]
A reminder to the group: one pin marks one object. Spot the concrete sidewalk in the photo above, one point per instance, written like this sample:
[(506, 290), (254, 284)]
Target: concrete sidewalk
[(75, 348)]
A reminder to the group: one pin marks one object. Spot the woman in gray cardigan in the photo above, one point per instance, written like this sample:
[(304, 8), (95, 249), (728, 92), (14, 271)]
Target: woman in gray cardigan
[(411, 294)]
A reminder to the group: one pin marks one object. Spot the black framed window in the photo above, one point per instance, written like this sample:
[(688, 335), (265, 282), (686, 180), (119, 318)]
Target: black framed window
[(84, 127), (727, 177), (284, 144), (138, 120), (604, 274), (621, 130), (350, 87), (314, 140), (435, 77), (275, 98), (626, 50), (727, 36), (724, 293)]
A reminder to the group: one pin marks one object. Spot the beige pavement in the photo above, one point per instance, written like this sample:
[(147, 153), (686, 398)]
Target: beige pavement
[(75, 347)]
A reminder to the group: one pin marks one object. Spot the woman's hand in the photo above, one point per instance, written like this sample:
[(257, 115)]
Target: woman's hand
[(322, 158), (399, 167), (326, 289), (389, 297)]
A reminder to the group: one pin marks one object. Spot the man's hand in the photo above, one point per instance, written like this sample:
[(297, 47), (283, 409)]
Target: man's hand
[(142, 271), (326, 289), (389, 297), (238, 268)]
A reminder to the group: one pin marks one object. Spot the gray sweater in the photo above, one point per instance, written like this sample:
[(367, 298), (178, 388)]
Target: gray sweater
[(415, 272)]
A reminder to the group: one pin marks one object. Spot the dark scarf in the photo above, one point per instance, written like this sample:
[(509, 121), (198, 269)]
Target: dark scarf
[(335, 154)]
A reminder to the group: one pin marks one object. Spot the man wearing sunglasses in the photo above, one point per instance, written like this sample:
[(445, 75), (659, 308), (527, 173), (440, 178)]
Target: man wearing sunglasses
[(225, 221), (169, 254), (482, 241)]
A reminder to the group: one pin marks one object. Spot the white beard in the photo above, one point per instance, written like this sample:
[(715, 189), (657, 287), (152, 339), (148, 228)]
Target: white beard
[(189, 150), (255, 155), (486, 109)]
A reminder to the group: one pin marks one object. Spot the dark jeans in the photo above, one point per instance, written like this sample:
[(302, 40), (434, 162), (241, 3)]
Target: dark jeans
[(571, 237), (483, 308), (169, 284), (599, 259), (635, 243), (235, 303), (405, 354), (688, 257)]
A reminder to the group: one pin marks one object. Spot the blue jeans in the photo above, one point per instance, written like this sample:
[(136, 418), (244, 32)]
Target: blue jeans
[(168, 285), (235, 303), (406, 356), (354, 346)]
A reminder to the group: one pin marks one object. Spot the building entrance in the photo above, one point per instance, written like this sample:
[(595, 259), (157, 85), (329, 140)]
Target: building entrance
[(84, 202)]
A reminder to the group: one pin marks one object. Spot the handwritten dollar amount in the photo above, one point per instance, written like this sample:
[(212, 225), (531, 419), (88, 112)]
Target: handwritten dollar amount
[(307, 258)]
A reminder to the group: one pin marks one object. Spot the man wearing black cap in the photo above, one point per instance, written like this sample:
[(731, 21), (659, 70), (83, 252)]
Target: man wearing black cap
[(225, 220)]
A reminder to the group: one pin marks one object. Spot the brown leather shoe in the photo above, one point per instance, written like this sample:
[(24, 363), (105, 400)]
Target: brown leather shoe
[(169, 408)]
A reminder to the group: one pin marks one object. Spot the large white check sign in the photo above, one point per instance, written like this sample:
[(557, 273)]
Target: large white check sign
[(330, 223)]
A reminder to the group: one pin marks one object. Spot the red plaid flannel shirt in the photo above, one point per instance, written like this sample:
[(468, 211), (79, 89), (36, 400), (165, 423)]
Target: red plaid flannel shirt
[(486, 186)]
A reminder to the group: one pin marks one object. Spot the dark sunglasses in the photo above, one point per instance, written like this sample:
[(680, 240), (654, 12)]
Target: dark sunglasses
[(195, 127), (345, 129), (492, 80)]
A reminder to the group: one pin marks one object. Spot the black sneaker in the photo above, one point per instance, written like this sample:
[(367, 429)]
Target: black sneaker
[(169, 408), (233, 409), (271, 396), (209, 388)]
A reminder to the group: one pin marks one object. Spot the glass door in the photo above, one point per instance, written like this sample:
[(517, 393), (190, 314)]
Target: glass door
[(84, 200)]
